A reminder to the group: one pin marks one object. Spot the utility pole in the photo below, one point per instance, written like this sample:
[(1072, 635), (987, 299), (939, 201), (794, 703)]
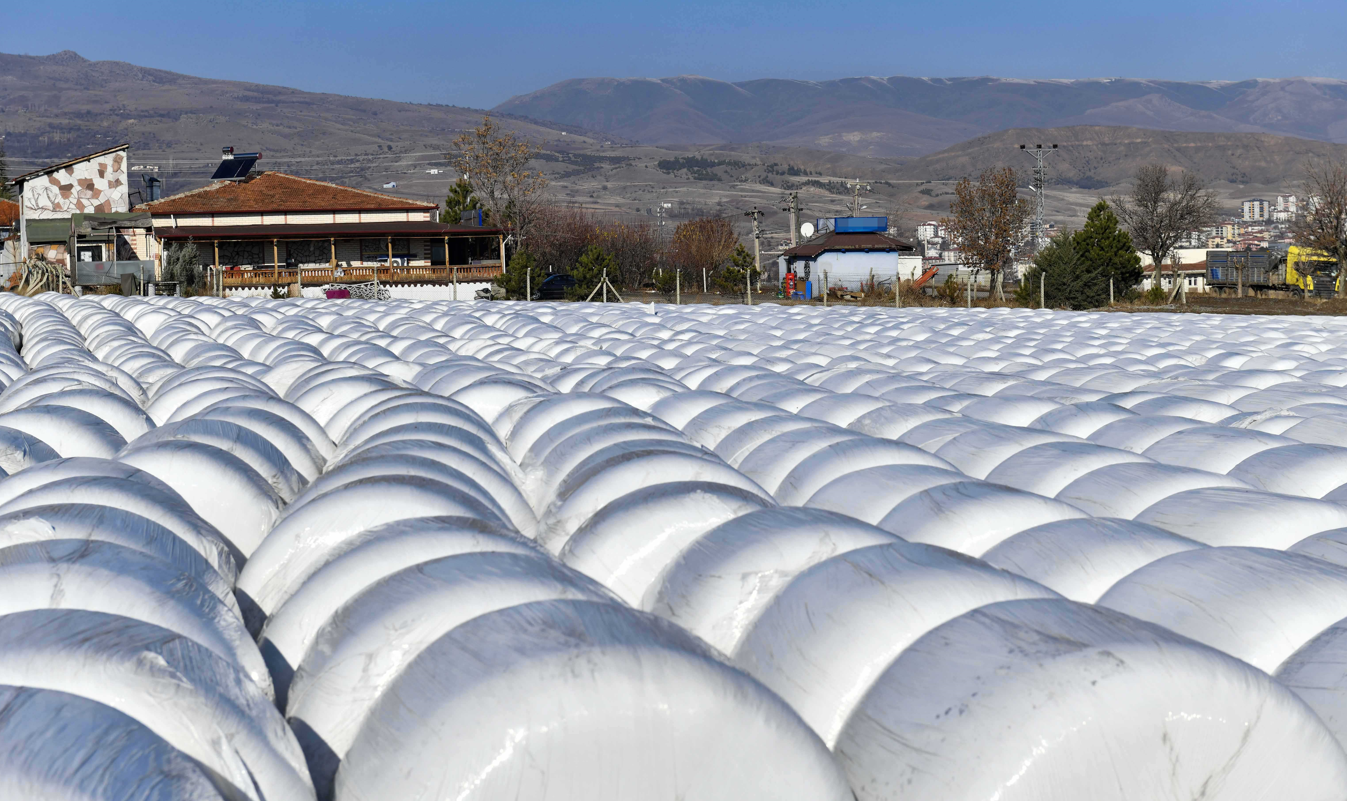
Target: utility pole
[(757, 254), (793, 206), (856, 187), (1038, 152)]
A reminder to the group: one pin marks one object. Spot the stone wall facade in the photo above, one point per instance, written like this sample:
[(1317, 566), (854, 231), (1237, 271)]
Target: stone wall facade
[(96, 185)]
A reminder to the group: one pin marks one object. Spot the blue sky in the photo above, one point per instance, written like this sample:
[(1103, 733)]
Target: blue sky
[(480, 53)]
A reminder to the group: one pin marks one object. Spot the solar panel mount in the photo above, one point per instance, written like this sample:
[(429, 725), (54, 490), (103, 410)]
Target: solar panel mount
[(235, 167)]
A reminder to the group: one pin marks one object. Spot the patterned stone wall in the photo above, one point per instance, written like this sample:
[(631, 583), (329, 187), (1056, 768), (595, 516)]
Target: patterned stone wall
[(97, 185)]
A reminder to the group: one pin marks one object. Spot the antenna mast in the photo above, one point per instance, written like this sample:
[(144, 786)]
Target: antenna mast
[(856, 187)]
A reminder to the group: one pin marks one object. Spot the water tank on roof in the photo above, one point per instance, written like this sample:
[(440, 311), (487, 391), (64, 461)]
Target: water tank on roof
[(856, 225)]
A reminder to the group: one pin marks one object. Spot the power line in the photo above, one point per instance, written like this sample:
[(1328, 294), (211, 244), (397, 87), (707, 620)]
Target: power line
[(1039, 153)]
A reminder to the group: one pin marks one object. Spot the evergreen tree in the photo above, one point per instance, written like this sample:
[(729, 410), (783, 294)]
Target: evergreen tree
[(459, 200), (588, 272), (1105, 252), (514, 280), (6, 192), (1060, 271), (730, 278), (182, 263)]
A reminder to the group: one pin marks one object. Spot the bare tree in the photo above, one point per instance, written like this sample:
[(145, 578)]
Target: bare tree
[(987, 221), (561, 235), (636, 249), (497, 165), (1324, 226), (705, 243), (1161, 211)]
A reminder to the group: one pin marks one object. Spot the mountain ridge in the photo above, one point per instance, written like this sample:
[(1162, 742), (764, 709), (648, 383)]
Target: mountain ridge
[(903, 116)]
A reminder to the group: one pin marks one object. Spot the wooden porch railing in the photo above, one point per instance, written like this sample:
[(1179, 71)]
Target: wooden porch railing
[(316, 276)]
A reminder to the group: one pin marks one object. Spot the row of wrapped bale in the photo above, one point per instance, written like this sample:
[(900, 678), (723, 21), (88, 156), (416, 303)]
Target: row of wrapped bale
[(565, 552)]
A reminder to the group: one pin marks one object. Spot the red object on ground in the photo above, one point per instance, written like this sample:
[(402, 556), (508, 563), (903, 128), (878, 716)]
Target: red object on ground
[(333, 294), (926, 276)]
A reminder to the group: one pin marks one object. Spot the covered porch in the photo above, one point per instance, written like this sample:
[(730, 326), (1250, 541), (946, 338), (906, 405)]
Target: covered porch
[(271, 255)]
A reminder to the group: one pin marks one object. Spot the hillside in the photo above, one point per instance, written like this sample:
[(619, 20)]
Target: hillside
[(1091, 157), (57, 106), (902, 116), (54, 107)]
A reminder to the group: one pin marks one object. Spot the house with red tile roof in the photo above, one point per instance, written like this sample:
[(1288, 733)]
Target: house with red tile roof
[(272, 228)]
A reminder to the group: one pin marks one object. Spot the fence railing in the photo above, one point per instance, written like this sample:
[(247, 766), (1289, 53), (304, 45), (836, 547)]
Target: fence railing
[(313, 276)]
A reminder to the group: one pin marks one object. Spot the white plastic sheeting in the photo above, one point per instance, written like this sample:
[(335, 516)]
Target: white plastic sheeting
[(373, 638), (647, 711), (1075, 692), (566, 551), (1257, 604)]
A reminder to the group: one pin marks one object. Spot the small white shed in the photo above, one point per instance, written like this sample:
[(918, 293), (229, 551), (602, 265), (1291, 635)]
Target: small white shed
[(850, 259)]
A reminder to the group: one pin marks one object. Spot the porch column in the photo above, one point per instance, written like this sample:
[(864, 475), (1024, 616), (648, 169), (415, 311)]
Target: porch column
[(332, 262), (502, 254), (276, 262), (390, 254), (218, 278)]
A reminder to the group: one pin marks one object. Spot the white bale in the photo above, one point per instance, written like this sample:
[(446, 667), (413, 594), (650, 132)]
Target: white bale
[(1040, 699), (653, 715)]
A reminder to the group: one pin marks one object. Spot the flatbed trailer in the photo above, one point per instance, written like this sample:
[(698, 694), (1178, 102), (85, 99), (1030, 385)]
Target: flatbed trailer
[(1299, 271)]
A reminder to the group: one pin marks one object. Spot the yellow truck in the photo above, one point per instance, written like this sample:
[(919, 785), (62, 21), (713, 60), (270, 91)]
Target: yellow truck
[(1312, 271)]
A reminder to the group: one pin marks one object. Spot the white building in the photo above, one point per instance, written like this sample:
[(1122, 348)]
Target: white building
[(1255, 210), (1194, 277), (1286, 204), (929, 230), (1185, 256), (850, 259), (49, 197)]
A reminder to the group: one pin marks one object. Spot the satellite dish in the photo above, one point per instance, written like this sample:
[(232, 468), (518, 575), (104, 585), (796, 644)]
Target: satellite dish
[(807, 230)]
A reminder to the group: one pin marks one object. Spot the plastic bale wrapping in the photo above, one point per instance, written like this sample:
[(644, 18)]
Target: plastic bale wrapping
[(584, 551), (620, 705), (1075, 693)]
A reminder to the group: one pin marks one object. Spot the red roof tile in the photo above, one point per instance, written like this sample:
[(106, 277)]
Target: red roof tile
[(276, 191), (833, 241)]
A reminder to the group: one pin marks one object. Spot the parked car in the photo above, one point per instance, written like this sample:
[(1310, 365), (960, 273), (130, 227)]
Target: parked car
[(554, 287)]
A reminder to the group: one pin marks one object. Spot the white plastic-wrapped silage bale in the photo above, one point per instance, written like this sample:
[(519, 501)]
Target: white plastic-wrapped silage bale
[(654, 713), (1038, 699)]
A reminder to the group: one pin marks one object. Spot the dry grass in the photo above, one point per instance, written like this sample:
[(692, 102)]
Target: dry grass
[(1213, 304)]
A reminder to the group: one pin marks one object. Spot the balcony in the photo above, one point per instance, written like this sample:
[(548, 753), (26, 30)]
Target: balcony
[(317, 276)]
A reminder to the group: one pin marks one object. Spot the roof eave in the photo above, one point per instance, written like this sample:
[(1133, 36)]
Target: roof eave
[(53, 168), (144, 207)]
